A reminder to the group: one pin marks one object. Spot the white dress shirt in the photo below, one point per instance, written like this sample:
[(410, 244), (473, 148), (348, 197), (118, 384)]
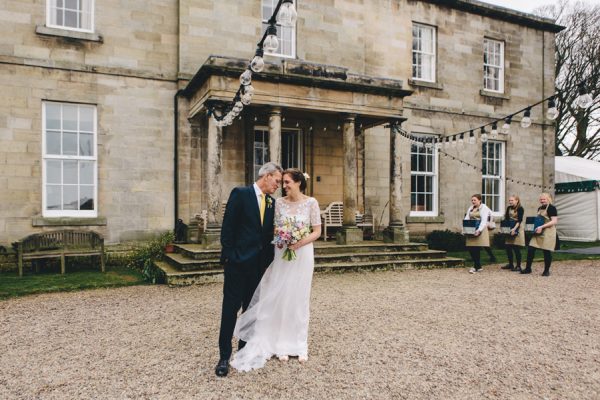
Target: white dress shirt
[(259, 193)]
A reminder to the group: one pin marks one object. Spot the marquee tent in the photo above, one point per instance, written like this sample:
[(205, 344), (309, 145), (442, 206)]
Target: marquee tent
[(577, 198)]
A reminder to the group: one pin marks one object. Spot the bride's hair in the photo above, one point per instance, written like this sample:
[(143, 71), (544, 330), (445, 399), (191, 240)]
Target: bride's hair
[(297, 176)]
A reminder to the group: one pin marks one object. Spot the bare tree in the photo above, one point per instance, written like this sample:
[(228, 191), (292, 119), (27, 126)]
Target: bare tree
[(577, 60)]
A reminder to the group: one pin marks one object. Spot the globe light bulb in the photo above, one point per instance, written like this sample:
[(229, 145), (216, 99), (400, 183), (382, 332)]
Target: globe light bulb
[(287, 14), (552, 112), (249, 89), (526, 121), (494, 132), (484, 135), (447, 142), (246, 77), (258, 63), (454, 141), (246, 99), (471, 137), (271, 43), (428, 144), (584, 101), (506, 126), (461, 140)]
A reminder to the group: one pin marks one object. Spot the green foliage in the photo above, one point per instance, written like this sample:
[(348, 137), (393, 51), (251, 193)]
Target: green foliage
[(445, 240), (144, 257)]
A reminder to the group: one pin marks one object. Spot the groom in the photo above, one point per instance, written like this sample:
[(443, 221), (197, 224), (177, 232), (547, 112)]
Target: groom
[(247, 251)]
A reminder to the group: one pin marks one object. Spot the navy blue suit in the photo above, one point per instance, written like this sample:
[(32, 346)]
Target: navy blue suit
[(246, 253)]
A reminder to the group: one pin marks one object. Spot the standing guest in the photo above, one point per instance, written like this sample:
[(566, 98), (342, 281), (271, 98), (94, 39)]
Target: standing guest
[(480, 212), (545, 235), (516, 240)]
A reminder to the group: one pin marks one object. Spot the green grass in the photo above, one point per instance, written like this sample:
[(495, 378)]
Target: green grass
[(11, 285), (502, 259)]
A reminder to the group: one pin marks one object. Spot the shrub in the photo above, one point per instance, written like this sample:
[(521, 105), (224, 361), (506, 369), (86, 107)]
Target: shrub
[(144, 257), (446, 240)]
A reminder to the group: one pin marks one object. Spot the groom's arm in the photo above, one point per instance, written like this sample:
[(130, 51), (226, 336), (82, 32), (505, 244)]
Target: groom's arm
[(228, 236)]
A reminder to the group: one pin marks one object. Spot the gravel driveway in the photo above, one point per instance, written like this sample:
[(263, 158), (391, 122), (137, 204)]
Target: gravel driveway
[(428, 334)]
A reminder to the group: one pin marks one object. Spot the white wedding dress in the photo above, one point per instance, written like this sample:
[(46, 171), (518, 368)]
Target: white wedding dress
[(276, 322)]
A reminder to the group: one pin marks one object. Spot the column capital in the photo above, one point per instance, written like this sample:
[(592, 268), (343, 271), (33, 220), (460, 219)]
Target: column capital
[(349, 117), (275, 110)]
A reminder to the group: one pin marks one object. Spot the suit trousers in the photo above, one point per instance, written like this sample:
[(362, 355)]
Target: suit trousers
[(241, 280)]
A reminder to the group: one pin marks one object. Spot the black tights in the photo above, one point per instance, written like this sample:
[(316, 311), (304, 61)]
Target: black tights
[(547, 258), (475, 256), (509, 253)]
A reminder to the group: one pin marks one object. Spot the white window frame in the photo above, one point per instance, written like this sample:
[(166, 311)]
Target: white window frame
[(51, 6), (424, 54), (46, 157), (435, 181), (487, 43), (299, 143), (256, 166), (280, 30), (499, 177)]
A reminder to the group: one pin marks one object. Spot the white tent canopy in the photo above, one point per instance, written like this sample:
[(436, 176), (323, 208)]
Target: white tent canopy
[(577, 198)]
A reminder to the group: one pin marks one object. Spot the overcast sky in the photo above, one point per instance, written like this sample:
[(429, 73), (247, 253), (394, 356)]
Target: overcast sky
[(527, 5)]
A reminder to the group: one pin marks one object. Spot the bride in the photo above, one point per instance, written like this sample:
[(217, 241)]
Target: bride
[(276, 322)]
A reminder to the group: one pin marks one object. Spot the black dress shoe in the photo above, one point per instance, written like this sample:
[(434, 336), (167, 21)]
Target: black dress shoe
[(222, 368), (526, 271), (516, 269), (546, 273)]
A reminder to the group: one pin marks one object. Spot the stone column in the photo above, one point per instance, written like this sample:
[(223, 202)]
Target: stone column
[(275, 135), (349, 233), (211, 238), (396, 231)]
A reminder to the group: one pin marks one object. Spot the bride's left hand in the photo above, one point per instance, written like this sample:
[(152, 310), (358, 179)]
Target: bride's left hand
[(296, 245)]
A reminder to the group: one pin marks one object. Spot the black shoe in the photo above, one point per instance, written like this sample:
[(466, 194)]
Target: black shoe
[(516, 269), (222, 368), (546, 273), (526, 271), (508, 266)]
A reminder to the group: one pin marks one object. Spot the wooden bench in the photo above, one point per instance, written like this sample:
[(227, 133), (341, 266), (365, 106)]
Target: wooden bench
[(332, 217), (365, 222), (60, 244)]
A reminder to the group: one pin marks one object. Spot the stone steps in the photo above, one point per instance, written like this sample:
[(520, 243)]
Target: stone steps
[(193, 265)]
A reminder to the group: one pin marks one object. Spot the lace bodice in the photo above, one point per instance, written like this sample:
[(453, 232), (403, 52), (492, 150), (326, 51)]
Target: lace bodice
[(306, 210)]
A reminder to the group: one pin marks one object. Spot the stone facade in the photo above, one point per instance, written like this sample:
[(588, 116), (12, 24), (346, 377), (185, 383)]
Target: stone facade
[(139, 69)]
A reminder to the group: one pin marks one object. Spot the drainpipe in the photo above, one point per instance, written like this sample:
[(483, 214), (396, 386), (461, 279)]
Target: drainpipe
[(176, 157)]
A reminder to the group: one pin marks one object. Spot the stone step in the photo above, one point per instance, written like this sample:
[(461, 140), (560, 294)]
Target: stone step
[(378, 256), (174, 277), (184, 263)]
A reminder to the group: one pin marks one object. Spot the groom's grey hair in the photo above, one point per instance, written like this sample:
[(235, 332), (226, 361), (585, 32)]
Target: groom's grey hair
[(269, 168)]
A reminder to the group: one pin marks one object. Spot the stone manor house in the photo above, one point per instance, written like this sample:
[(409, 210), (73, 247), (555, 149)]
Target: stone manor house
[(104, 125)]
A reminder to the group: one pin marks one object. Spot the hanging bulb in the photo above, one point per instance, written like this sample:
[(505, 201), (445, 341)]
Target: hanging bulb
[(506, 126), (428, 144), (454, 141), (247, 96), (471, 137), (438, 144), (526, 121), (461, 140), (552, 112), (271, 43), (447, 142), (484, 136), (584, 100), (494, 132), (287, 15), (246, 77), (258, 63)]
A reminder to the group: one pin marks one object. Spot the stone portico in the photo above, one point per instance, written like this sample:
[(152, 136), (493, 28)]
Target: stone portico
[(310, 98)]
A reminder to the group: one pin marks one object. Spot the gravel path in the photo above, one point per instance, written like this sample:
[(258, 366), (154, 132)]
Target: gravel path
[(429, 334)]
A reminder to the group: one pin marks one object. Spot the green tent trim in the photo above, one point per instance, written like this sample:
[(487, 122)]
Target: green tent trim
[(576, 187)]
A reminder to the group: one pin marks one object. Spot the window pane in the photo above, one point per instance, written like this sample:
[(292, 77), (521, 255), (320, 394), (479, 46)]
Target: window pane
[(53, 142), (70, 198), (71, 19), (52, 116), (86, 119), (70, 117), (69, 144), (53, 200), (72, 4), (53, 171), (86, 200), (429, 203), (86, 143), (86, 172), (59, 17), (70, 172)]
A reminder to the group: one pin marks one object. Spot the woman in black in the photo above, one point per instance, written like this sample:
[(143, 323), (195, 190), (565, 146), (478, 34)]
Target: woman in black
[(545, 236), (516, 240)]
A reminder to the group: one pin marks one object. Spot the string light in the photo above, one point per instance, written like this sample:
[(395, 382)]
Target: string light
[(526, 121), (471, 137), (461, 141), (494, 132), (506, 126), (484, 136), (552, 112), (584, 100)]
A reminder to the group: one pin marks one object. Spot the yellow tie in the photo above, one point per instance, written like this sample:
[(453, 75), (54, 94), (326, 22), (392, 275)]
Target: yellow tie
[(263, 203)]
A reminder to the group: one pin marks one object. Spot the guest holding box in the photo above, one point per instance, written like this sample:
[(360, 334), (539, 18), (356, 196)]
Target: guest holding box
[(544, 236), (516, 238), (478, 212)]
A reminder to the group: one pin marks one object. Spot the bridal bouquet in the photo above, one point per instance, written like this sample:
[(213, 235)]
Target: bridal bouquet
[(289, 231)]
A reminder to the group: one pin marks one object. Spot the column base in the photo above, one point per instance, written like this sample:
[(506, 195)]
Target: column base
[(395, 234), (349, 235), (211, 238)]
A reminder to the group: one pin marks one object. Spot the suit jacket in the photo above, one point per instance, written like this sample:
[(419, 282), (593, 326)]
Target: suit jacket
[(242, 236)]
